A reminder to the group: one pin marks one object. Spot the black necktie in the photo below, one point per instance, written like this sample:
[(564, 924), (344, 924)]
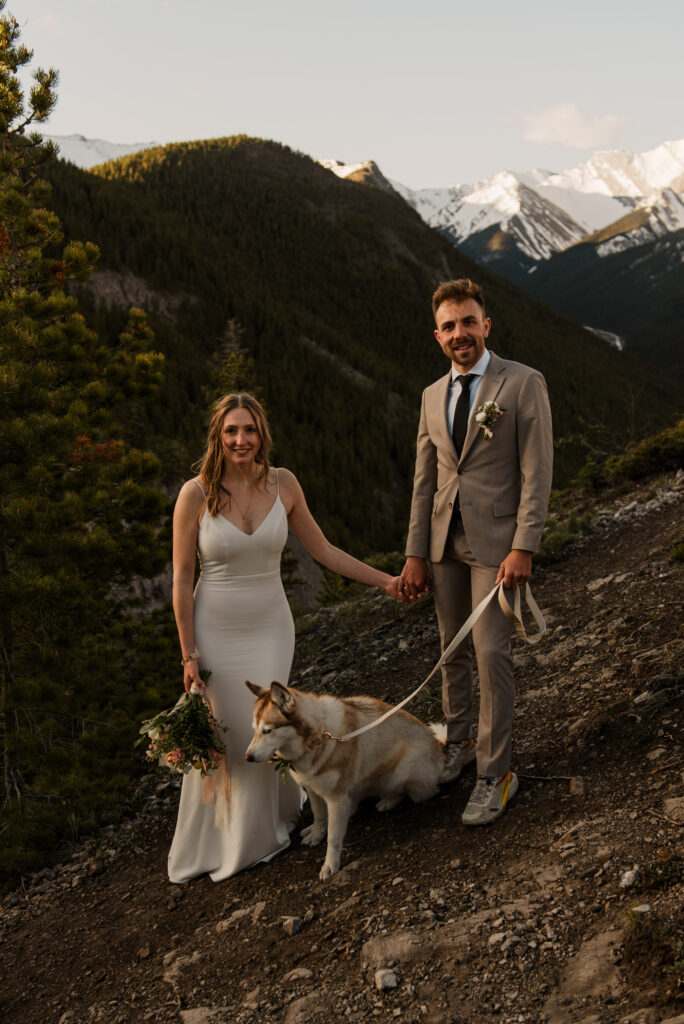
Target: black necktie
[(460, 427)]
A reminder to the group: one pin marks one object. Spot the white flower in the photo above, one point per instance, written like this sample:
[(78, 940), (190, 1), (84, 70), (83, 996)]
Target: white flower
[(486, 415)]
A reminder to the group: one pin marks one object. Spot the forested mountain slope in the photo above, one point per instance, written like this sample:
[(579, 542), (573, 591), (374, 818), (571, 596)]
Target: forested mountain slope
[(326, 283), (636, 292)]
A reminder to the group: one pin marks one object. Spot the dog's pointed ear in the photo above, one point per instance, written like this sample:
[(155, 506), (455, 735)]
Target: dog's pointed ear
[(282, 698), (258, 691)]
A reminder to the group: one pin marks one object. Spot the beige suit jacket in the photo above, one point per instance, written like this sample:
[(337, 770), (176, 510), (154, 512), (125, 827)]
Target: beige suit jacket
[(503, 484)]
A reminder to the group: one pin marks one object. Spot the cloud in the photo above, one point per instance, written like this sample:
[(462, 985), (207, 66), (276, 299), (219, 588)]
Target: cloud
[(565, 125), (49, 23)]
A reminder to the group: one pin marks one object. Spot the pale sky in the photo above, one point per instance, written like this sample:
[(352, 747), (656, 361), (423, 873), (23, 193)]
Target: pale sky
[(437, 92)]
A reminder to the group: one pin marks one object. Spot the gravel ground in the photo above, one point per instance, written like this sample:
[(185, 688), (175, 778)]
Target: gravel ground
[(568, 909)]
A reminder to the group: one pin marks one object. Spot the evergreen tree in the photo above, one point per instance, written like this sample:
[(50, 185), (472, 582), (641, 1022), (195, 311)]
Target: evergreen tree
[(79, 515), (235, 370), (325, 285)]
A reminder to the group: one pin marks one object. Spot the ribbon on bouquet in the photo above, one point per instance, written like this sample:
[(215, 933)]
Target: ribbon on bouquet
[(513, 613), (215, 787)]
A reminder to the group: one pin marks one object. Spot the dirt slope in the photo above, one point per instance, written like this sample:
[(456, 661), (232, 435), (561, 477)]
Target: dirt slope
[(531, 919)]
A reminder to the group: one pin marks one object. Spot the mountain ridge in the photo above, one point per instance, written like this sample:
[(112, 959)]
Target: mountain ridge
[(552, 233), (87, 153), (636, 292), (569, 205), (539, 211), (248, 233)]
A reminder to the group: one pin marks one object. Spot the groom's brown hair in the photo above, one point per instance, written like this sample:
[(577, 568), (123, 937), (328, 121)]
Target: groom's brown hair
[(458, 291)]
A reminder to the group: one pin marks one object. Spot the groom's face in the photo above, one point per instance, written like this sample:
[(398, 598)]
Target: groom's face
[(461, 331)]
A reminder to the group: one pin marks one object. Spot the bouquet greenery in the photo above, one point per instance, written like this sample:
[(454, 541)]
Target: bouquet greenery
[(186, 736), (281, 767)]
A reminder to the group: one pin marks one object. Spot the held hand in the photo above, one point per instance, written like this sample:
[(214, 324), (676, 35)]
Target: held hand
[(393, 588), (191, 675), (515, 569), (415, 578)]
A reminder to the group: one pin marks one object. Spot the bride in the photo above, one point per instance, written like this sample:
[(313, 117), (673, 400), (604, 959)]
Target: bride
[(235, 514)]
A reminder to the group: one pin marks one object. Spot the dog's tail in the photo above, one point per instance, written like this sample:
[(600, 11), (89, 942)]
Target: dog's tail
[(439, 729), (440, 733)]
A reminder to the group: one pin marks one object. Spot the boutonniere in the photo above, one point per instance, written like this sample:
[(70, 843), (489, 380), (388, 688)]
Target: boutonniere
[(486, 415)]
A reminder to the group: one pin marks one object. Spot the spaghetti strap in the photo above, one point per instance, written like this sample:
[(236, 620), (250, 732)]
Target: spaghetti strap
[(196, 481), (277, 485)]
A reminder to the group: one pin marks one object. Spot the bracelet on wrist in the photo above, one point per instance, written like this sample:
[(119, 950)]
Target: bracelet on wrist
[(193, 656)]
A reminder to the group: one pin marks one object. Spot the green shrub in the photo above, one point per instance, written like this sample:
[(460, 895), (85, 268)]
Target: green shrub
[(335, 589), (654, 951), (558, 535), (661, 453), (391, 562), (665, 871)]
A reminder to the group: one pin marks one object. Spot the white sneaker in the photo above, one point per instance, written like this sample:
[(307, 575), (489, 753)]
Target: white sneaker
[(489, 799), (458, 755)]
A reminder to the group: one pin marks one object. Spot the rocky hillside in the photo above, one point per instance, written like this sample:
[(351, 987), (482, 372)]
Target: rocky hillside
[(568, 909)]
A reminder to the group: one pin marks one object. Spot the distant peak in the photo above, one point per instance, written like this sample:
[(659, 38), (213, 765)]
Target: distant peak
[(366, 172), (86, 153)]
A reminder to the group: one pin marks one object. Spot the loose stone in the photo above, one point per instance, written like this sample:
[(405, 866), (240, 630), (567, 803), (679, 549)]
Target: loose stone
[(292, 925), (385, 978)]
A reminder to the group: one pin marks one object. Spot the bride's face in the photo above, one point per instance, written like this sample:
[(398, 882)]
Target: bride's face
[(240, 437)]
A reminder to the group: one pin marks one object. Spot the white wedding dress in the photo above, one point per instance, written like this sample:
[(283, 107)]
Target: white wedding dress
[(244, 630)]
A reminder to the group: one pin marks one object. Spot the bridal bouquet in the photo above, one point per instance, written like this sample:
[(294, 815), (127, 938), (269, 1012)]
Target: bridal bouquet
[(186, 736), (281, 767)]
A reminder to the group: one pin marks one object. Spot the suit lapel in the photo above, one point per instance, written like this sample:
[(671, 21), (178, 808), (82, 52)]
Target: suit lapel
[(492, 379), (443, 438)]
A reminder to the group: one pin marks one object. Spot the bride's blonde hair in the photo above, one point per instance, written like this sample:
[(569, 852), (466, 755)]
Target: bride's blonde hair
[(211, 464)]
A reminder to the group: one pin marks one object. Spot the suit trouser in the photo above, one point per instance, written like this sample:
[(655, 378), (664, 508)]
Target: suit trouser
[(460, 582)]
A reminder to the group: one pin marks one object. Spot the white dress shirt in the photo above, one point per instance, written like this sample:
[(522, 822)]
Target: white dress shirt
[(455, 390)]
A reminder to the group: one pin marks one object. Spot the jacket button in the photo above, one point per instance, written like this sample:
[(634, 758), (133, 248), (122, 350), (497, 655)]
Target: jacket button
[(451, 505)]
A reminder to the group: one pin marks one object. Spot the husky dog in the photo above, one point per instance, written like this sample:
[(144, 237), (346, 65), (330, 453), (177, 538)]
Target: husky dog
[(402, 757)]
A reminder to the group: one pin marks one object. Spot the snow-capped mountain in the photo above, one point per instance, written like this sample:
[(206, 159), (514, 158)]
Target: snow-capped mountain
[(513, 205), (343, 170), (653, 218), (87, 153), (526, 226), (528, 216), (368, 172), (621, 173)]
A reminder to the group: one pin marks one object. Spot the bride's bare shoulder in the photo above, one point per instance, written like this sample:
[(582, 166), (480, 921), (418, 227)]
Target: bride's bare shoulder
[(191, 494), (286, 478), (291, 493)]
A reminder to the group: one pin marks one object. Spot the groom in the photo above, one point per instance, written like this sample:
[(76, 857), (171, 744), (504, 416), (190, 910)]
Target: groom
[(480, 497)]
